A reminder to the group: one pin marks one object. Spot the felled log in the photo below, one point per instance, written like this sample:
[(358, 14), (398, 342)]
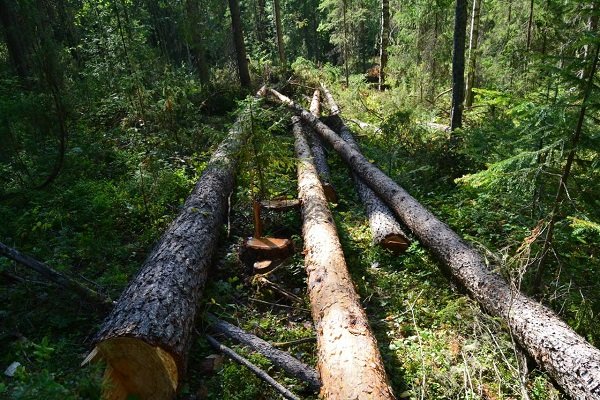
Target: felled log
[(318, 151), (566, 356), (146, 338), (255, 370), (385, 229), (279, 358), (56, 277), (349, 362), (280, 205)]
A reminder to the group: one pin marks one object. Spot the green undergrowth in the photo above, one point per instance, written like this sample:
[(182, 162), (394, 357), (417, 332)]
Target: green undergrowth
[(98, 224)]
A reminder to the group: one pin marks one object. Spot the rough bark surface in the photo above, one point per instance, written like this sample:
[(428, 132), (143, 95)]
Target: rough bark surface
[(349, 362), (571, 361), (385, 229), (146, 338), (318, 151), (279, 358)]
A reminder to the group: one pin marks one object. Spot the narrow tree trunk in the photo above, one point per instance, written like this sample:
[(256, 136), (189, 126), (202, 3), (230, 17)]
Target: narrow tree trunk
[(345, 48), (279, 358), (529, 25), (238, 42), (383, 42), (458, 64), (562, 185), (385, 230), (472, 53), (567, 357), (279, 32), (349, 362), (146, 338), (54, 276), (14, 38), (318, 151)]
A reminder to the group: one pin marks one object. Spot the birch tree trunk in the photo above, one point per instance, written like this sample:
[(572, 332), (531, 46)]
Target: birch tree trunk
[(348, 362), (567, 357), (472, 53), (146, 338)]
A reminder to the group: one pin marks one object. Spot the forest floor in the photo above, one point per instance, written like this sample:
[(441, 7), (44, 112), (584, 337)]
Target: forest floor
[(98, 225)]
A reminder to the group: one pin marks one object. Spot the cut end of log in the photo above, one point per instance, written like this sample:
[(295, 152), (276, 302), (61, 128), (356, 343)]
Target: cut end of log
[(265, 248), (135, 368), (396, 243), (280, 205), (262, 267), (330, 193)]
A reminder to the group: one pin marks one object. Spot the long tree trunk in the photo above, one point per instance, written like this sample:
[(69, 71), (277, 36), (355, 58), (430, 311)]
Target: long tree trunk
[(471, 69), (383, 41), (278, 357), (318, 151), (15, 40), (349, 362), (458, 64), (238, 42), (562, 185), (146, 338), (279, 32), (345, 45), (567, 357), (385, 230)]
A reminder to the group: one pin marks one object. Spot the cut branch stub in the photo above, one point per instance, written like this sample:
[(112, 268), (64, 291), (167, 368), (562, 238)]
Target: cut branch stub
[(146, 338), (567, 357), (349, 362)]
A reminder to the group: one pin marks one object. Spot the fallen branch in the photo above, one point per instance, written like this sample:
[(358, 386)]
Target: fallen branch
[(291, 343), (279, 358), (255, 370), (349, 362), (146, 339), (53, 275), (385, 229), (567, 357)]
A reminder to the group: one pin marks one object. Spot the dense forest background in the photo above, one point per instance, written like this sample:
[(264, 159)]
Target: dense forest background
[(110, 110)]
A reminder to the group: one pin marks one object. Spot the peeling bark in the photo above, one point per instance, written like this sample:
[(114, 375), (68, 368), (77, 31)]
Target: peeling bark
[(567, 357), (146, 338), (385, 229), (349, 362)]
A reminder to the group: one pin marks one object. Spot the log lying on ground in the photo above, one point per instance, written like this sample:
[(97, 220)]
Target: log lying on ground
[(349, 362), (279, 358), (567, 357), (318, 151), (53, 275), (146, 338), (255, 370), (385, 229)]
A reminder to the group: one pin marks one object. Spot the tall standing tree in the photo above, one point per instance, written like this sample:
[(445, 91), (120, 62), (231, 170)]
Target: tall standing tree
[(458, 64), (279, 32), (383, 41), (194, 37), (238, 41), (472, 52)]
